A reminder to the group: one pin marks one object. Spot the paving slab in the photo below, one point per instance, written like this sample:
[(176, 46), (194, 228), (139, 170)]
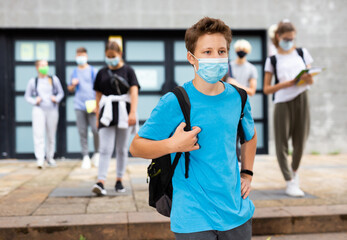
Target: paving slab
[(60, 202), (319, 236)]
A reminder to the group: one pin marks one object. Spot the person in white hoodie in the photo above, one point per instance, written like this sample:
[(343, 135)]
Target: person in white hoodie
[(44, 92), (117, 90)]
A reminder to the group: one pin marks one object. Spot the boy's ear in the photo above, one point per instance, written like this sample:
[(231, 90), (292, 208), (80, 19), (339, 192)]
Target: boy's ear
[(190, 58)]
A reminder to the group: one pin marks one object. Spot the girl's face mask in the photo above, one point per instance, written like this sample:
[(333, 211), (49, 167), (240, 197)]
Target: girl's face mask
[(112, 61), (43, 70), (212, 70), (286, 45)]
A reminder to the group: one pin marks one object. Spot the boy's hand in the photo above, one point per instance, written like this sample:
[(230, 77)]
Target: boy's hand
[(245, 185), (75, 82), (183, 141)]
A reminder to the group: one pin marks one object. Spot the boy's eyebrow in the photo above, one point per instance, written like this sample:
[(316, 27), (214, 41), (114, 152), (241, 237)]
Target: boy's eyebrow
[(209, 48)]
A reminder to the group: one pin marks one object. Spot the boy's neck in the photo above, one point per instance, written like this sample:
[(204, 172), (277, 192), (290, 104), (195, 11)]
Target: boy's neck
[(241, 60), (207, 88), (84, 66)]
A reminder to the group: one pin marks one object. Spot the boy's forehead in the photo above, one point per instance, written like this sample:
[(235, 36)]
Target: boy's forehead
[(214, 40), (81, 54)]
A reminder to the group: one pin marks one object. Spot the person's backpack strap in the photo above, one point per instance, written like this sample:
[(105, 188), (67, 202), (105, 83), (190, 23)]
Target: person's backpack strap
[(54, 88), (243, 95), (35, 90), (92, 73), (184, 102), (273, 61), (230, 70), (301, 54)]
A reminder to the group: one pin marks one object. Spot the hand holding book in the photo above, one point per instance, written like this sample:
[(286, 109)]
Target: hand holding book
[(312, 71)]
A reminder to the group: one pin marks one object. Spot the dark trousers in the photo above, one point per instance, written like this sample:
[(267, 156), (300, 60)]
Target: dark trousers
[(291, 120), (243, 232)]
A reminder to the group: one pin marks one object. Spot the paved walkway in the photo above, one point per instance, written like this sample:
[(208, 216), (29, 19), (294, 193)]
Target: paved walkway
[(65, 190)]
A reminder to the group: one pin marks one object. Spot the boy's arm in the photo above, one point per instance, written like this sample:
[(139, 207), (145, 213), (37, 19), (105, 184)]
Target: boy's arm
[(181, 141), (248, 150)]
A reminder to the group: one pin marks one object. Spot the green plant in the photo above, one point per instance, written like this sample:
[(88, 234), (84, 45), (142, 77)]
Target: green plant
[(337, 152), (315, 153), (82, 238)]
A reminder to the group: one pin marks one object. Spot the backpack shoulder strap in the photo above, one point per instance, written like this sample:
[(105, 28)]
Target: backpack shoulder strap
[(184, 102), (35, 90), (92, 72), (301, 54), (230, 70), (54, 89), (273, 61), (243, 95), (74, 73)]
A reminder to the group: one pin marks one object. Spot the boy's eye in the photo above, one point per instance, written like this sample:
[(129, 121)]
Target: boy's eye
[(207, 52), (222, 51)]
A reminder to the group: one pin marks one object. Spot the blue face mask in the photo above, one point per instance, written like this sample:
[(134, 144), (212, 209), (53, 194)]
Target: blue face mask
[(212, 70), (286, 45), (112, 61), (81, 60)]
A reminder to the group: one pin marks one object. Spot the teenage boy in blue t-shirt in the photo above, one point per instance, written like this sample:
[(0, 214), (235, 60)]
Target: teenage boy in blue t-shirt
[(82, 82), (213, 202)]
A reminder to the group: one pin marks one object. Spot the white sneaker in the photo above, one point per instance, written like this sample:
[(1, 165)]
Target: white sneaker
[(95, 159), (293, 189), (86, 164), (296, 178), (40, 163), (51, 163)]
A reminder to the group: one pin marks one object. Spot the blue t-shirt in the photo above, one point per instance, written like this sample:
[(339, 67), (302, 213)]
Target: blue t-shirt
[(84, 90), (210, 199)]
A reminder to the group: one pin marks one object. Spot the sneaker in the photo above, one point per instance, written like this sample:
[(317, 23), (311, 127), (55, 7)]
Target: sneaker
[(293, 189), (99, 189), (296, 177), (51, 163), (119, 187), (40, 163), (95, 159), (86, 164)]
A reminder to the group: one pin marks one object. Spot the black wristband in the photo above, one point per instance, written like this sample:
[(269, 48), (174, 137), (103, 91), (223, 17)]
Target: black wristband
[(249, 172)]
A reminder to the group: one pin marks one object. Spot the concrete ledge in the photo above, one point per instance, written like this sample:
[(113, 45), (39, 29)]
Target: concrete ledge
[(151, 225)]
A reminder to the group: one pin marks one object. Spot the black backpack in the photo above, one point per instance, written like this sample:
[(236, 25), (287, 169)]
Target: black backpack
[(54, 89), (160, 171), (273, 61)]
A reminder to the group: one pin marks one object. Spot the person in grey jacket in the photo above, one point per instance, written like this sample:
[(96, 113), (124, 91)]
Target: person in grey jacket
[(44, 92)]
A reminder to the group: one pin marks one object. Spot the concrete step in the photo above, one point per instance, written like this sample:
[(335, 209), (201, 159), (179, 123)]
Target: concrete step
[(320, 236), (151, 225)]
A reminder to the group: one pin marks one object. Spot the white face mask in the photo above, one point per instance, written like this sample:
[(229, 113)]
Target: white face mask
[(81, 60), (212, 70)]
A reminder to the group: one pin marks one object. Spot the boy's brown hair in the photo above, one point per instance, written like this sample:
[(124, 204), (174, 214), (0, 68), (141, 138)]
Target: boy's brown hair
[(206, 25), (81, 50), (283, 27)]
